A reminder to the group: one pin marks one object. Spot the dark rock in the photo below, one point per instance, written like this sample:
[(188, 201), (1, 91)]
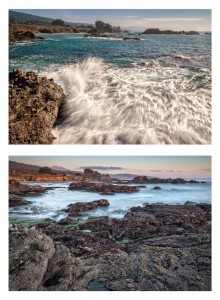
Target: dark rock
[(105, 27), (15, 200), (145, 179), (19, 189), (153, 248), (102, 188), (75, 208), (158, 31), (33, 107), (125, 38), (95, 176), (19, 36), (66, 221), (157, 188)]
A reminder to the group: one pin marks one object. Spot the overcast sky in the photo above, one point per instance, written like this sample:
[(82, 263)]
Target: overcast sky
[(175, 19), (159, 166)]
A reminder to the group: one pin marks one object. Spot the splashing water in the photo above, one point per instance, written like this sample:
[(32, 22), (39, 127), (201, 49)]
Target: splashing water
[(153, 102)]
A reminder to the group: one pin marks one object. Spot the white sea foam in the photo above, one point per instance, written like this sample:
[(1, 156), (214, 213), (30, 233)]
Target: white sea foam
[(152, 102)]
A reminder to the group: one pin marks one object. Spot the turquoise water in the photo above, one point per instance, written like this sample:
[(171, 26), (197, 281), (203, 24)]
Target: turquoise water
[(53, 202), (64, 49), (153, 91)]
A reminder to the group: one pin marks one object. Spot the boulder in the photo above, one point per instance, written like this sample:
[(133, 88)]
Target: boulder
[(33, 107), (75, 208), (29, 254), (157, 188)]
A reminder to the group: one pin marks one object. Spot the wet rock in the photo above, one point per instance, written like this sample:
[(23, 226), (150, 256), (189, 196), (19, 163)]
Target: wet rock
[(33, 107), (155, 180), (157, 188), (67, 221), (15, 200), (19, 36), (74, 208), (20, 189), (153, 248), (102, 188)]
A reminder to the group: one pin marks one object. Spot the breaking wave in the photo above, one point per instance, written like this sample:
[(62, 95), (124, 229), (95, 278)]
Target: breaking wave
[(156, 101)]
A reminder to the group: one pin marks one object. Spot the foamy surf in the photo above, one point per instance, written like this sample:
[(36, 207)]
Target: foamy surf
[(153, 102)]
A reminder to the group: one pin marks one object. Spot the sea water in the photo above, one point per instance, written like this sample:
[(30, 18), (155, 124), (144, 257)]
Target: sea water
[(156, 90), (52, 203)]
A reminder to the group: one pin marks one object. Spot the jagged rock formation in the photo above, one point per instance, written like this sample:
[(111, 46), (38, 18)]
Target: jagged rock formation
[(158, 31), (101, 187), (19, 36), (154, 248), (145, 179), (102, 27), (33, 107), (95, 176)]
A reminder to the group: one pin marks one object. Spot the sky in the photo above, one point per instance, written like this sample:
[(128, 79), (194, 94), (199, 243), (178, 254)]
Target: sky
[(174, 19), (158, 166)]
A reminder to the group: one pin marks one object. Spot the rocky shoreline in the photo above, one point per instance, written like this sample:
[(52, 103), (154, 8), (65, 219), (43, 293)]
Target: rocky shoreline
[(27, 32), (156, 247), (33, 107), (153, 248)]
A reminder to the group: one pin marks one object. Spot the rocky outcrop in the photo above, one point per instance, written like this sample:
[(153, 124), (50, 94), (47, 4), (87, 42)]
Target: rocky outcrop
[(19, 36), (33, 107), (74, 208), (29, 254), (158, 31), (15, 200), (95, 176), (27, 32), (151, 221), (19, 189), (102, 188), (153, 248), (105, 27), (95, 33), (157, 188), (145, 179)]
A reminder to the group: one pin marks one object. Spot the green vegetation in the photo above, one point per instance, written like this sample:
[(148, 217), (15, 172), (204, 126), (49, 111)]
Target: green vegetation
[(124, 241), (58, 22), (30, 222), (45, 170)]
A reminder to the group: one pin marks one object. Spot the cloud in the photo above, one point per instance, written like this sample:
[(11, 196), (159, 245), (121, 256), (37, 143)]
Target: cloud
[(171, 19), (101, 168), (206, 170), (131, 16), (155, 170)]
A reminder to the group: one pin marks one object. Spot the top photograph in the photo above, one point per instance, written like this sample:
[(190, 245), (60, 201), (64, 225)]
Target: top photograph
[(110, 76)]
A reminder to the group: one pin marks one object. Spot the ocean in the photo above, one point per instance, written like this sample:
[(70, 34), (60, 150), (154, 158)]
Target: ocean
[(156, 90), (52, 203)]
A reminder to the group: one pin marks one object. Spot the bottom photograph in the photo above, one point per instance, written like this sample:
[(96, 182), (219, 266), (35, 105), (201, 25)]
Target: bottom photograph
[(110, 223)]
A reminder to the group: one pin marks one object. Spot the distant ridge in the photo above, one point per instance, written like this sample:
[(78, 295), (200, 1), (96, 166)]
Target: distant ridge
[(23, 18), (20, 167)]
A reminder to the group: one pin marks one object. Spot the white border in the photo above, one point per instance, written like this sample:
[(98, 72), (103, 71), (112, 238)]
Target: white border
[(6, 150)]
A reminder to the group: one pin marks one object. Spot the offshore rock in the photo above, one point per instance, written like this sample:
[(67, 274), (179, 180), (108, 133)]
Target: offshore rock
[(75, 208), (102, 188)]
